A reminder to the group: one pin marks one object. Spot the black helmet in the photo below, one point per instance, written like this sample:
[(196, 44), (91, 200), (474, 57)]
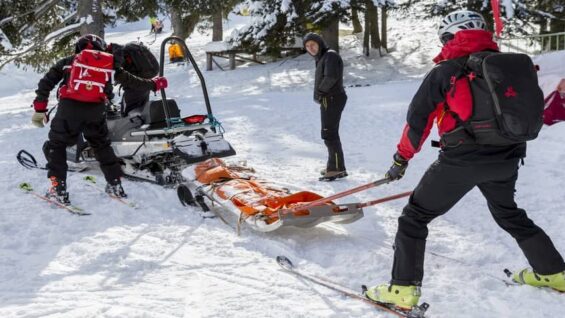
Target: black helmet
[(90, 42)]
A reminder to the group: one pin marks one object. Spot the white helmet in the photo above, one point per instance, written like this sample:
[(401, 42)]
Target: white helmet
[(460, 20)]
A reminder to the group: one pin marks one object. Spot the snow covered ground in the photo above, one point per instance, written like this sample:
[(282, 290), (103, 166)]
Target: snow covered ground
[(163, 260)]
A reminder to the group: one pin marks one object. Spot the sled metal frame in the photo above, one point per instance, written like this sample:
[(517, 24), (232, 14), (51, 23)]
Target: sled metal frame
[(188, 55), (341, 214), (173, 130)]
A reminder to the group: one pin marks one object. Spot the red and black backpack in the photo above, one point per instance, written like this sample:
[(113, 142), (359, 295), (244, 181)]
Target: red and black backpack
[(89, 73), (508, 104)]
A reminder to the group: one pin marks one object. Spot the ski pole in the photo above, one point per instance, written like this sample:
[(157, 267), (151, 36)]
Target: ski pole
[(335, 196)]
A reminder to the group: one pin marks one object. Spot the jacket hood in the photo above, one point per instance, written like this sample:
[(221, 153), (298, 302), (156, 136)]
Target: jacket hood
[(465, 43), (318, 39)]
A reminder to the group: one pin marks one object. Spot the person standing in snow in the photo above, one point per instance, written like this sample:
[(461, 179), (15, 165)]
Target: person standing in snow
[(75, 116), (460, 168), (330, 94)]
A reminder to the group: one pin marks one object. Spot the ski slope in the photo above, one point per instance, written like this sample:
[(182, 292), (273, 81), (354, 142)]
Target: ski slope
[(164, 260)]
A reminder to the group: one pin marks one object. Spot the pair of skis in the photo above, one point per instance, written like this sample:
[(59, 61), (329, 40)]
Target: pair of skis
[(90, 181), (28, 161)]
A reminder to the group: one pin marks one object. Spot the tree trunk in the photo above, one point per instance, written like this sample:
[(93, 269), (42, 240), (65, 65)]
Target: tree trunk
[(183, 26), (374, 20), (217, 29), (367, 34), (384, 39), (357, 28), (331, 34), (92, 11), (176, 24)]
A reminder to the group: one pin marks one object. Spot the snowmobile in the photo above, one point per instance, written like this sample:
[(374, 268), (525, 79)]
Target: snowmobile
[(155, 142)]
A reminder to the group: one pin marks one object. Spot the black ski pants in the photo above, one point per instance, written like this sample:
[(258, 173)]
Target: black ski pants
[(72, 119), (331, 108), (441, 187)]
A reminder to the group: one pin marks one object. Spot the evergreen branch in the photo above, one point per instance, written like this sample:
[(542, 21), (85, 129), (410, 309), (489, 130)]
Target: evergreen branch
[(59, 33)]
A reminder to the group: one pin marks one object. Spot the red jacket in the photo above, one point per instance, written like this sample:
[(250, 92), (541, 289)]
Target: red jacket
[(428, 104)]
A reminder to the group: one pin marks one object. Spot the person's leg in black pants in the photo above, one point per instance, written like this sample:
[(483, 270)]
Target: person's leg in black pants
[(441, 187), (96, 133), (64, 132), (536, 245), (331, 108)]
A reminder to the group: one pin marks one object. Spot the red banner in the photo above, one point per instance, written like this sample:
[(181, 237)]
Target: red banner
[(498, 24)]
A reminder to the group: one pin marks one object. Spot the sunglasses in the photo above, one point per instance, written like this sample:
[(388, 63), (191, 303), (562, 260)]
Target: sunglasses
[(446, 37)]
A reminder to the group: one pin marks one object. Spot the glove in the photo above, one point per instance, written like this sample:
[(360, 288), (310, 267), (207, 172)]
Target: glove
[(39, 119), (40, 106), (398, 168), (160, 83)]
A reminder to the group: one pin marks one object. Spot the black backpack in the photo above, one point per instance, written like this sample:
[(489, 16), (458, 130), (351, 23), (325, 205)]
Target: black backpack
[(139, 60), (507, 101)]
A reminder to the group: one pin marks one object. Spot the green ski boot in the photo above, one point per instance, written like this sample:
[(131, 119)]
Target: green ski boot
[(529, 277), (404, 297)]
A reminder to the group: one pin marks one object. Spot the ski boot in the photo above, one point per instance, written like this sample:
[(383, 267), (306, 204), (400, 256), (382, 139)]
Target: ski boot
[(403, 297), (529, 277), (114, 188), (58, 191), (332, 175)]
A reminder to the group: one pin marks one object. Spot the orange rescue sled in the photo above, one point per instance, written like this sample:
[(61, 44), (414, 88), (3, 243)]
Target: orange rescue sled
[(259, 203)]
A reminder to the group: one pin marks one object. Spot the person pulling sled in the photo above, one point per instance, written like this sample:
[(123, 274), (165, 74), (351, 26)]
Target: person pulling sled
[(84, 89), (483, 139)]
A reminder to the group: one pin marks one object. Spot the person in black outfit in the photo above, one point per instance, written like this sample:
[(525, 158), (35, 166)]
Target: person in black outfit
[(330, 94), (459, 169), (74, 117)]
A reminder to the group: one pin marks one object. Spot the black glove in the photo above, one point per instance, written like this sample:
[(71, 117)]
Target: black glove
[(398, 168)]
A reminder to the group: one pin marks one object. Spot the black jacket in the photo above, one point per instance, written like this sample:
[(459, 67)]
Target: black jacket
[(59, 74), (329, 70)]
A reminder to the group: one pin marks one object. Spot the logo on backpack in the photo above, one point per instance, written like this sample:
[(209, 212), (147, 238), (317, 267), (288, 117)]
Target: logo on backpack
[(500, 117), (510, 92), (89, 73)]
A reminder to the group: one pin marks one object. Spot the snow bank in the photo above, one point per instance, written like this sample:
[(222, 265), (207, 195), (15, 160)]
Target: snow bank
[(552, 70)]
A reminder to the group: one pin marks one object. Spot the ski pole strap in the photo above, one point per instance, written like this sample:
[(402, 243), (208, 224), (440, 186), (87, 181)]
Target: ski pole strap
[(336, 196), (26, 159), (385, 199)]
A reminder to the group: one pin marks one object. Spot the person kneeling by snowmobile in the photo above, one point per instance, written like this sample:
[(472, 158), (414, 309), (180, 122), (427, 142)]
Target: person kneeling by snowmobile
[(85, 87), (489, 161)]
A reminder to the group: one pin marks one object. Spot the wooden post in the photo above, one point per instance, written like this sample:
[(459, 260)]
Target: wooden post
[(232, 60), (208, 61)]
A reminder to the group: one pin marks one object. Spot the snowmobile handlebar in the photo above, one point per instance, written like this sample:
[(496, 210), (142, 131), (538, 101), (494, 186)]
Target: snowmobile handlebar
[(336, 196), (187, 53)]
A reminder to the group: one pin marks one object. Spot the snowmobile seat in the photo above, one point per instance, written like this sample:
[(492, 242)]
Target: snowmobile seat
[(154, 115)]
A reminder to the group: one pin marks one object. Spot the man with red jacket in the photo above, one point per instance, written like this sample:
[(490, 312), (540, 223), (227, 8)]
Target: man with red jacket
[(75, 116), (446, 98)]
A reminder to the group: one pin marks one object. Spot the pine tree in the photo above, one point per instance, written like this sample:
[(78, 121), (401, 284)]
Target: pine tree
[(42, 31), (277, 24)]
